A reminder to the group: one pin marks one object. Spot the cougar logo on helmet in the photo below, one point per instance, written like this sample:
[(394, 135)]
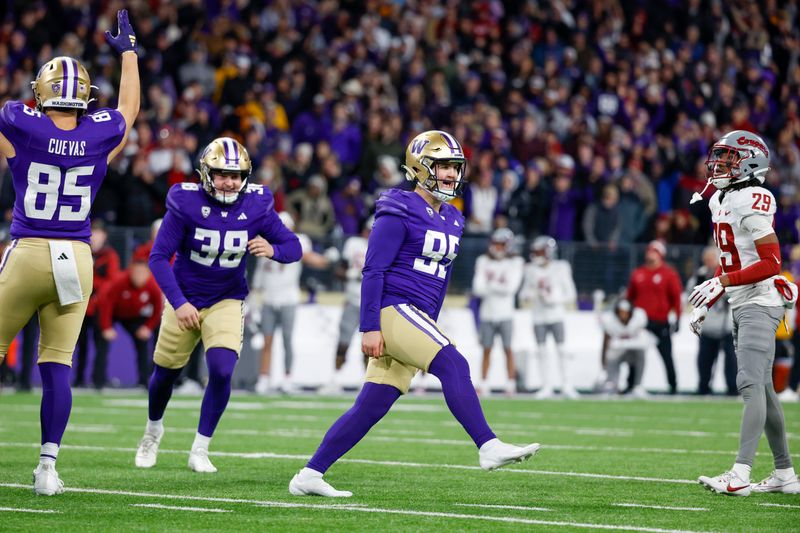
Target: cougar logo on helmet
[(224, 156), (424, 152), (753, 142), (62, 82)]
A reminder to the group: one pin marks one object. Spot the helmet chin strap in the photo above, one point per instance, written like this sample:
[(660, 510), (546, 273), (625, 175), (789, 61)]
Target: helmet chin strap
[(698, 196)]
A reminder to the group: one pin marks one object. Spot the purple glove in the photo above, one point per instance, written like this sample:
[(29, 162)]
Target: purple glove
[(125, 40)]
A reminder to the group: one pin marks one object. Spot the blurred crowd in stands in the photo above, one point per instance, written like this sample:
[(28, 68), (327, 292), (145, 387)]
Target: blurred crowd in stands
[(584, 120)]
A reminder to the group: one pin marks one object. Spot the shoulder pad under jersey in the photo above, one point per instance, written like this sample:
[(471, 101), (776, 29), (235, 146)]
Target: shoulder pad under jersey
[(752, 201), (392, 202)]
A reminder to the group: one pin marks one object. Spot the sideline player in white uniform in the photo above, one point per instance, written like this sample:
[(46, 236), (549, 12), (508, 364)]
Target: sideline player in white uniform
[(498, 276), (354, 255), (548, 284), (625, 340), (276, 292), (742, 215)]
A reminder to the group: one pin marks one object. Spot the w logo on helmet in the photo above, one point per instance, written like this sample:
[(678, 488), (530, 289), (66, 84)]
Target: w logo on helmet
[(418, 145)]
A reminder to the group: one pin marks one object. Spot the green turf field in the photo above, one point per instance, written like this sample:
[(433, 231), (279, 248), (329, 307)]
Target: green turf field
[(619, 465)]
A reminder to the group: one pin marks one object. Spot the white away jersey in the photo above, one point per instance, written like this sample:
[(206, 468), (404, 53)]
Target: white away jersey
[(550, 287), (495, 282), (355, 253), (630, 336), (277, 283), (744, 216)]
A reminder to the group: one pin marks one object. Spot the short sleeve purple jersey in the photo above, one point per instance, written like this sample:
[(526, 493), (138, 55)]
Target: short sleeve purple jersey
[(209, 241), (409, 255), (56, 173)]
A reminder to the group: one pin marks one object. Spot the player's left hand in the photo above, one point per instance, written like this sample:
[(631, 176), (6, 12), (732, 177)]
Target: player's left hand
[(696, 319), (372, 344), (260, 247), (707, 293), (125, 40), (143, 333)]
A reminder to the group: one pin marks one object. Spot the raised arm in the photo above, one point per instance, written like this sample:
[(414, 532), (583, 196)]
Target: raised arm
[(124, 43)]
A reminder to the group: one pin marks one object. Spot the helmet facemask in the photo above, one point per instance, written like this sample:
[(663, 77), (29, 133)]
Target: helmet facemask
[(723, 166), (431, 184)]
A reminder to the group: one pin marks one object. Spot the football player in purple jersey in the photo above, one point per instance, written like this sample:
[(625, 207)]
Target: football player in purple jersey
[(209, 228), (413, 243), (58, 157)]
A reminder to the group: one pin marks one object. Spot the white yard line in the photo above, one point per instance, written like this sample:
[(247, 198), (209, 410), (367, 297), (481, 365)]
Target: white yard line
[(498, 506), (664, 507), (383, 435), (784, 505), (294, 457), (178, 508), (354, 509), (15, 510)]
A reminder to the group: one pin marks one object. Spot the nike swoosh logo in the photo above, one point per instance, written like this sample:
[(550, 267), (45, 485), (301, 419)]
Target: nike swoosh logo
[(776, 259), (736, 489)]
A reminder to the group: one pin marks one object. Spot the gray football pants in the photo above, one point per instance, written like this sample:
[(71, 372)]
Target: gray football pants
[(754, 328)]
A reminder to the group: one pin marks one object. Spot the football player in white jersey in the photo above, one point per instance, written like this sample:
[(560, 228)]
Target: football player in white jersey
[(750, 261), (625, 340), (549, 285), (498, 276), (354, 254), (276, 292)]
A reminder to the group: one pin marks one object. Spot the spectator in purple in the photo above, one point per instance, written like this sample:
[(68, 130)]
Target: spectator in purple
[(349, 206), (313, 125), (345, 138), (564, 203)]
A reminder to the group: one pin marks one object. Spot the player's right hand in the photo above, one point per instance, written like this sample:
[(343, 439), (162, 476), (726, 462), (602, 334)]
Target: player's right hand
[(125, 39), (188, 317), (372, 344), (109, 334)]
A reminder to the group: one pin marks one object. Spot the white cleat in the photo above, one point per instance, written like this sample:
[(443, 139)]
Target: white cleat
[(199, 461), (262, 385), (727, 483), (789, 395), (496, 453), (640, 393), (46, 481), (315, 485), (147, 452), (511, 388), (775, 484), (545, 393), (570, 393)]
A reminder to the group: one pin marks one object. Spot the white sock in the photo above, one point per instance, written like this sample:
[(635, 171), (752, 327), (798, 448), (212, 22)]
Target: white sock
[(48, 454), (155, 428), (201, 441), (742, 471), (784, 473), (308, 473)]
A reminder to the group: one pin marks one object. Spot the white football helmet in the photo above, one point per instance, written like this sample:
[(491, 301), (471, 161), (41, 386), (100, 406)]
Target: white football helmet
[(501, 243), (427, 149), (737, 157), (224, 155), (543, 249)]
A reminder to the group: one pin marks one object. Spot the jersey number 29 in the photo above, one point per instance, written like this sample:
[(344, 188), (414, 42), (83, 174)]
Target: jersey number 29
[(437, 246), (233, 248)]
